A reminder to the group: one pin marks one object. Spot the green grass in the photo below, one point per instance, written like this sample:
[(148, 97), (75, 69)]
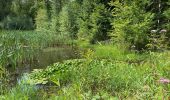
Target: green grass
[(16, 46), (105, 72), (104, 79), (24, 92), (108, 52), (116, 53)]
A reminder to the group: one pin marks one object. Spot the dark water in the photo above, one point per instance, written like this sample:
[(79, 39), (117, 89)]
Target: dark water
[(44, 58), (49, 56)]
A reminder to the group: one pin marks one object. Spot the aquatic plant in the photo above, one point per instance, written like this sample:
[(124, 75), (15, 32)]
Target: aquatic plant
[(121, 79), (18, 47), (15, 46)]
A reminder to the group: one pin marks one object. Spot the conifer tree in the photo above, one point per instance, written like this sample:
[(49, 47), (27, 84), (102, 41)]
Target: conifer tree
[(131, 23), (42, 21), (100, 23), (84, 19)]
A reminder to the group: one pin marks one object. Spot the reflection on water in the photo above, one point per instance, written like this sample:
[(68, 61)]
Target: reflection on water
[(52, 55), (45, 58)]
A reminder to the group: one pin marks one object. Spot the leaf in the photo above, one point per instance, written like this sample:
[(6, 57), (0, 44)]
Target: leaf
[(57, 82)]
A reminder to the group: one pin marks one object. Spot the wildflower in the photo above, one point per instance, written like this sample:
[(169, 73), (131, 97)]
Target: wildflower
[(163, 31), (165, 81), (154, 31)]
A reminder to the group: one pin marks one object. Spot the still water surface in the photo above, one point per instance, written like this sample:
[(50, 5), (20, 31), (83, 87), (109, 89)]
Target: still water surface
[(44, 58)]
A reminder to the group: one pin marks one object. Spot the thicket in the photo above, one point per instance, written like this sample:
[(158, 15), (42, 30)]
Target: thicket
[(123, 22)]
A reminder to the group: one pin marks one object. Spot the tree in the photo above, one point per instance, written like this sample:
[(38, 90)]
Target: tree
[(100, 23), (5, 8), (84, 19), (21, 14), (166, 24), (73, 12), (131, 23), (64, 22), (42, 22)]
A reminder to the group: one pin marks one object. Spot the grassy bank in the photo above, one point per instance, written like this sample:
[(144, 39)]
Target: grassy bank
[(106, 71), (20, 47), (105, 75)]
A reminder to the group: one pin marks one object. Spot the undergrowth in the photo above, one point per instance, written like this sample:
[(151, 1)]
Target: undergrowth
[(94, 78), (116, 74)]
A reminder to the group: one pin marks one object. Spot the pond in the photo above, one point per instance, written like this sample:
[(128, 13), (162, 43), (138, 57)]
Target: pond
[(44, 58)]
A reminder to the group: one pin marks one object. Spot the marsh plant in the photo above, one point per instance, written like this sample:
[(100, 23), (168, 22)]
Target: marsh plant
[(18, 47), (96, 78), (102, 79)]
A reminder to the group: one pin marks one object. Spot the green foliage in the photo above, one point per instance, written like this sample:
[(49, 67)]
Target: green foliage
[(42, 22), (157, 42), (93, 78), (166, 14), (17, 23), (19, 14), (131, 23), (73, 12), (4, 80), (27, 7), (4, 8), (21, 92), (93, 21), (100, 23), (16, 46), (109, 52), (106, 71), (83, 20), (64, 22), (53, 19)]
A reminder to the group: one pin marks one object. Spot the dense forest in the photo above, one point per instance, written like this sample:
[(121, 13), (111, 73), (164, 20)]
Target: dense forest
[(94, 49), (130, 22)]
